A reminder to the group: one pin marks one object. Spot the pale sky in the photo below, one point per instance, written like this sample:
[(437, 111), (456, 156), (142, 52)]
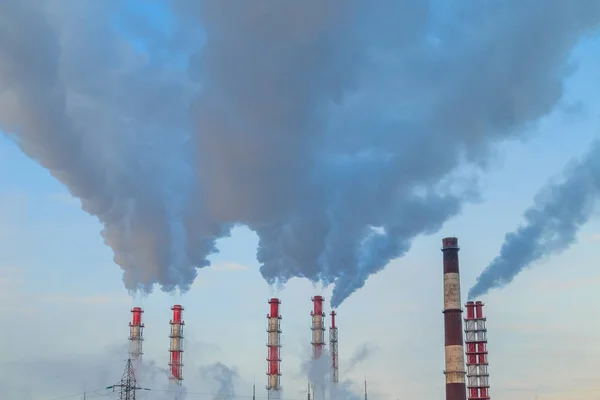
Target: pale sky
[(65, 309)]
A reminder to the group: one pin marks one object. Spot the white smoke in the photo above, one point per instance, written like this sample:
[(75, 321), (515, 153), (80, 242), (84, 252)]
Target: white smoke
[(318, 374), (152, 376), (308, 111), (363, 352), (343, 391), (220, 379)]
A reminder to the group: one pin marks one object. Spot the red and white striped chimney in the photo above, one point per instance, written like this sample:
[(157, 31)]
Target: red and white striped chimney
[(318, 327), (476, 343), (273, 347), (455, 363), (136, 337), (176, 348)]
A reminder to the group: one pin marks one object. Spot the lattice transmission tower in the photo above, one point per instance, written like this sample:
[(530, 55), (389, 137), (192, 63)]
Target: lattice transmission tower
[(128, 385)]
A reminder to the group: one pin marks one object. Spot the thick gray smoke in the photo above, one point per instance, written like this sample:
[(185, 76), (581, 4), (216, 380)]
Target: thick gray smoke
[(322, 120), (221, 380), (80, 101), (551, 224), (337, 130)]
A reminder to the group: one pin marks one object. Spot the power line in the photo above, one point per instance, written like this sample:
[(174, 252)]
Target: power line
[(94, 394), (128, 385), (228, 396)]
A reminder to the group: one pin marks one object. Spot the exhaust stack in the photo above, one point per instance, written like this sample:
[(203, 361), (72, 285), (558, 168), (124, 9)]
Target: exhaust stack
[(176, 348), (454, 357), (318, 327), (136, 337), (318, 341), (333, 344), (273, 347), (476, 344)]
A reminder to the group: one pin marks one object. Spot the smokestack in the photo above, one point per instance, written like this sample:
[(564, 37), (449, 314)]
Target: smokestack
[(333, 345), (136, 337), (318, 327), (176, 349), (273, 346), (455, 364), (318, 341), (476, 343)]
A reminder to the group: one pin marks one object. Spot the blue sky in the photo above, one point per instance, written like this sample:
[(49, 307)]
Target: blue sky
[(66, 310)]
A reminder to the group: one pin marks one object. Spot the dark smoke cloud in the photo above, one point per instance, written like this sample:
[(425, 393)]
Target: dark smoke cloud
[(91, 110), (551, 224), (337, 130), (320, 120)]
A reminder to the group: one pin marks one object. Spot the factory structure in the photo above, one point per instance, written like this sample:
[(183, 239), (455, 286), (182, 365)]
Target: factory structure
[(273, 346), (136, 337), (466, 356), (176, 348), (472, 383)]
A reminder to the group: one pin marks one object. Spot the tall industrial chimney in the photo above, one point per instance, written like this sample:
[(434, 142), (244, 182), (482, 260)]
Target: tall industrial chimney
[(476, 343), (136, 337), (333, 345), (273, 347), (455, 363), (318, 343), (318, 327), (176, 348)]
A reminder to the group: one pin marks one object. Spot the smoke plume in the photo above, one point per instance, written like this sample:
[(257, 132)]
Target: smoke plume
[(551, 224), (221, 379), (93, 115), (360, 354), (334, 129), (318, 372), (337, 130)]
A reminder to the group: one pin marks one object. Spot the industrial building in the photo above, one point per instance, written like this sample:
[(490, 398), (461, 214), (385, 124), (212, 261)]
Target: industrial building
[(476, 377), (465, 379)]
